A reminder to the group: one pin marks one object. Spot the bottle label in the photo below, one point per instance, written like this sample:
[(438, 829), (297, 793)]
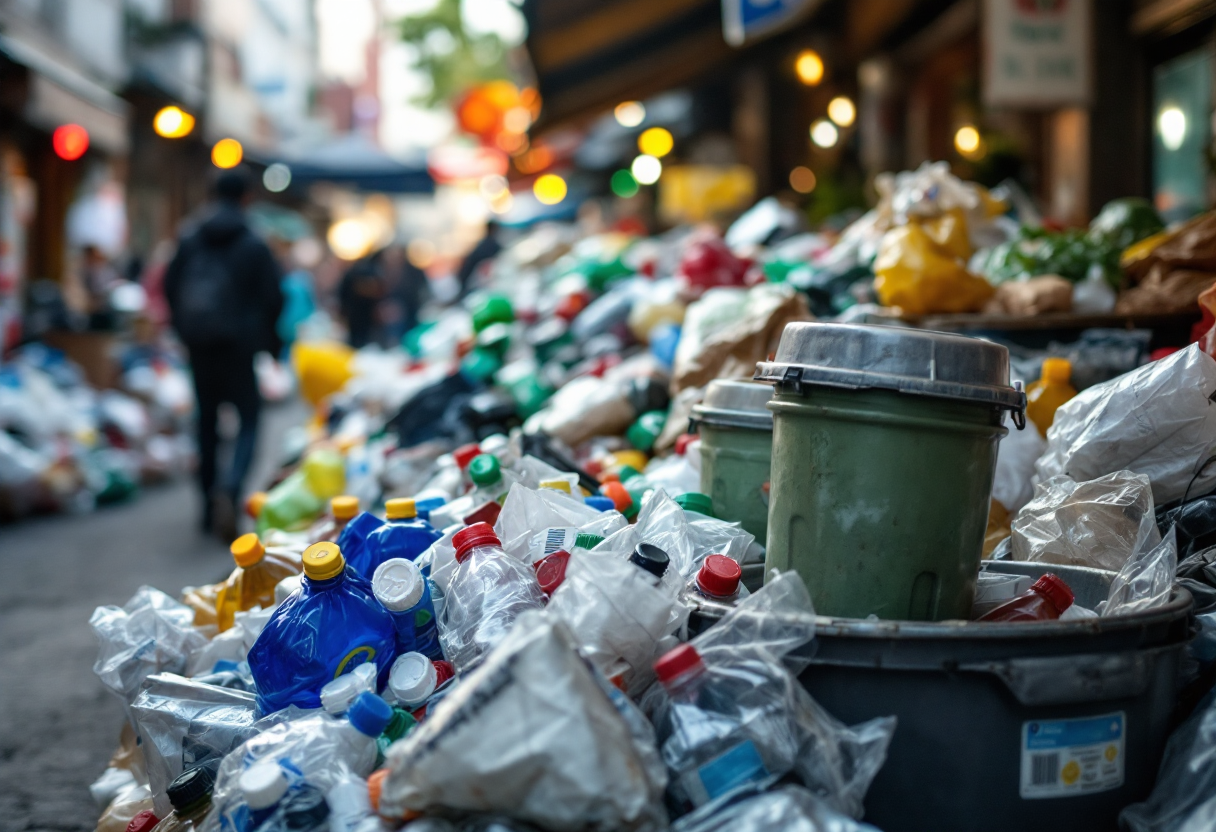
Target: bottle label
[(545, 543), (1066, 757), (739, 766)]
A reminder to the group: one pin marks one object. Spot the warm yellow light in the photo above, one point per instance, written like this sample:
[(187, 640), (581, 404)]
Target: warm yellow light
[(227, 153), (421, 252), (809, 67), (967, 140), (824, 133), (502, 203), (656, 142), (629, 113), (173, 123), (549, 189), (492, 186), (842, 111), (350, 239), (646, 169), (802, 179), (517, 120)]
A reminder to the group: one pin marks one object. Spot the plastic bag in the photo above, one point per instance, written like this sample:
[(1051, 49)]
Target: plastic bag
[(1144, 581), (533, 734), (741, 718), (1184, 799), (1100, 523), (922, 270), (1156, 420), (1013, 486), (789, 809), (527, 511), (151, 633)]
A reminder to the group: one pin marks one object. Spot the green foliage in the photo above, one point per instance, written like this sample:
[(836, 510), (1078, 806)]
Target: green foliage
[(454, 58)]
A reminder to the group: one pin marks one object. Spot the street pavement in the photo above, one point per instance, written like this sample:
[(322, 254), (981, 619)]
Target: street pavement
[(58, 724)]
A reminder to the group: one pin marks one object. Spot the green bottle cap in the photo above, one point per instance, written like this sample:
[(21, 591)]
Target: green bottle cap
[(399, 725), (643, 433), (495, 309), (695, 501), (587, 541), (485, 470), (628, 472), (481, 364)]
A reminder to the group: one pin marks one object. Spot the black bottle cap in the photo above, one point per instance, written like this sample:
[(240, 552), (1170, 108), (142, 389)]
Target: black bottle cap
[(190, 786), (651, 558)]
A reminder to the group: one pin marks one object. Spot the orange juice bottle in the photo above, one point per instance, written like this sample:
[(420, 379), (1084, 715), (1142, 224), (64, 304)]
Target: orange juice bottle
[(253, 581), (1045, 396)]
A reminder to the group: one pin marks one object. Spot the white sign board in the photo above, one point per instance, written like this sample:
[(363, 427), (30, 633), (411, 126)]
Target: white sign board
[(1037, 53)]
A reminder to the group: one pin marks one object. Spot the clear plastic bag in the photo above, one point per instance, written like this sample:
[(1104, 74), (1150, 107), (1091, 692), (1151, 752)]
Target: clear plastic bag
[(527, 511), (1013, 486), (740, 719), (151, 633), (536, 735), (1144, 581), (789, 809), (1100, 523), (1156, 420)]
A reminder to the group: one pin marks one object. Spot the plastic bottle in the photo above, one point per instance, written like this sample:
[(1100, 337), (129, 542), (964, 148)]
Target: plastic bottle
[(342, 509), (253, 581), (415, 678), (190, 795), (1053, 389), (425, 505), (600, 503), (145, 820), (262, 786), (1046, 600), (297, 500), (330, 627), (304, 809), (486, 593), (403, 535), (696, 503), (339, 694), (717, 585), (354, 535), (643, 433), (489, 488), (400, 725), (650, 558), (401, 588), (365, 721)]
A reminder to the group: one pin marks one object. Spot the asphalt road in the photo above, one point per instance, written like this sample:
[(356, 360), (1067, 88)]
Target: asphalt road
[(58, 724)]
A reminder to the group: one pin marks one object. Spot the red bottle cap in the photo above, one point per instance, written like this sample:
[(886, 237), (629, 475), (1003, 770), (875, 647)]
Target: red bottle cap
[(551, 571), (1053, 588), (683, 441), (719, 576), (464, 454), (143, 821), (443, 673), (676, 662), (485, 513), (467, 539), (619, 495)]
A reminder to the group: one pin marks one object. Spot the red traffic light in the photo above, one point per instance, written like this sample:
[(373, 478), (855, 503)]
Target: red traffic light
[(70, 141)]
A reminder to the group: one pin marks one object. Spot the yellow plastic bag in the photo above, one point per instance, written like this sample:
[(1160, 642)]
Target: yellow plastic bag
[(322, 367), (921, 269)]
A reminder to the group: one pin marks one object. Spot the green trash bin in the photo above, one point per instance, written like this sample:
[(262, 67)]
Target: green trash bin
[(884, 451), (736, 450)]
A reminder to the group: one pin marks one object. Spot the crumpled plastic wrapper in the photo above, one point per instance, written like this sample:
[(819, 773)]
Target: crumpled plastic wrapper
[(789, 809), (584, 761), (527, 511), (1145, 581), (1100, 524), (1156, 420)]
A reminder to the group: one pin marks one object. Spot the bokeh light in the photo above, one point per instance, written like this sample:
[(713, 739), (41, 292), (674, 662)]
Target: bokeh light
[(809, 67), (646, 169), (623, 184), (276, 178), (549, 189), (967, 140), (656, 142), (842, 111), (629, 113), (173, 123), (802, 179), (227, 153), (350, 239), (70, 141), (824, 133)]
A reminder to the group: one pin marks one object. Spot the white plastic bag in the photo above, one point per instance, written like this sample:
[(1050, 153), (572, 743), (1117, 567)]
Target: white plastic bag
[(1156, 420), (1099, 524), (1144, 581), (789, 809), (1017, 453)]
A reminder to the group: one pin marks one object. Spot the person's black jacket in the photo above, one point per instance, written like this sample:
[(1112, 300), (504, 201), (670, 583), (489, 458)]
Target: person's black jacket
[(249, 260)]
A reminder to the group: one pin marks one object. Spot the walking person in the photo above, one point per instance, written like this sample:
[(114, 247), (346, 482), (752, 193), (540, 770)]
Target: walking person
[(224, 296)]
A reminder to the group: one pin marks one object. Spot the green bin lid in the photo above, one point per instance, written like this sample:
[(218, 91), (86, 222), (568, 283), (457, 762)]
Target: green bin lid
[(735, 404)]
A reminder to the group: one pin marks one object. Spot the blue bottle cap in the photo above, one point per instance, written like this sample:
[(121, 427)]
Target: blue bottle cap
[(224, 666), (600, 503), (426, 506), (370, 714)]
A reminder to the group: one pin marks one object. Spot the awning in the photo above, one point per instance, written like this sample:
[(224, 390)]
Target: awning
[(353, 160)]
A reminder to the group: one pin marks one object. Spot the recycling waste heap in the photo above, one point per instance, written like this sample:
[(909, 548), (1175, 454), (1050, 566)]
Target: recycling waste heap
[(560, 563)]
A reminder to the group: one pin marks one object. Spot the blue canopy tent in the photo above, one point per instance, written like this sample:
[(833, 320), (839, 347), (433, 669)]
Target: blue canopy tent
[(353, 160)]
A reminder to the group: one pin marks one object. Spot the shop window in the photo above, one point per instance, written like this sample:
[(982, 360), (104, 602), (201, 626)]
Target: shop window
[(1182, 108)]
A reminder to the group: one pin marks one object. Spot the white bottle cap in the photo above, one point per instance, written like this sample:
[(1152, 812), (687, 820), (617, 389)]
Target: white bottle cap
[(412, 679), (285, 588), (338, 694), (398, 584), (262, 784)]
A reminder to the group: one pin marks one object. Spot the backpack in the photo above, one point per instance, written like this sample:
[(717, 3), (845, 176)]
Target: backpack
[(210, 309)]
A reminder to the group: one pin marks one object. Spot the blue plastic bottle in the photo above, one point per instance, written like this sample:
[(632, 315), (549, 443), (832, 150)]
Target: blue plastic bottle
[(331, 626), (401, 588), (353, 537), (402, 536)]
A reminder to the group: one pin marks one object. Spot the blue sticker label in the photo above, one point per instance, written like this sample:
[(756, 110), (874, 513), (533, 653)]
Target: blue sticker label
[(1062, 757)]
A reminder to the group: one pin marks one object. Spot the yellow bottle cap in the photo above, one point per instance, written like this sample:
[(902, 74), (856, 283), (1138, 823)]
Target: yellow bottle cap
[(556, 485), (634, 459), (1058, 370), (344, 507), (254, 503), (323, 561), (247, 550), (401, 508)]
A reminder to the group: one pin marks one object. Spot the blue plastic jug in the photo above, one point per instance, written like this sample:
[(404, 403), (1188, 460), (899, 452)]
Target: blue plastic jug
[(401, 588), (331, 626), (353, 537), (402, 536)]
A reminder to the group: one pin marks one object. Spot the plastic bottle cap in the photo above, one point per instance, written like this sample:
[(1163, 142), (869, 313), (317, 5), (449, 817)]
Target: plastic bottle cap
[(1058, 370), (190, 786), (323, 561), (556, 485), (586, 540), (632, 459), (262, 784), (485, 470), (247, 550), (600, 503), (627, 472), (551, 571), (254, 503), (467, 539), (719, 576), (683, 441), (337, 695), (651, 558), (305, 808), (465, 454), (619, 495), (445, 672), (676, 662), (369, 714), (643, 433), (1053, 588), (429, 504), (413, 679), (398, 584), (344, 507), (285, 588), (695, 501), (143, 821), (401, 508)]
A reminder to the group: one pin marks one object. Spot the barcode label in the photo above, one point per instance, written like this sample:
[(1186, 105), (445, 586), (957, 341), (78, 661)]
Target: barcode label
[(1063, 757), (554, 540), (544, 543)]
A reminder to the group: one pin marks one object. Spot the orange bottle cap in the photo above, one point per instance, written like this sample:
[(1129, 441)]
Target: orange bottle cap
[(344, 507), (247, 550)]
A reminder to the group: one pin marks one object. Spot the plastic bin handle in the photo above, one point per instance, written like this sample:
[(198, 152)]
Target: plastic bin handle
[(1062, 680)]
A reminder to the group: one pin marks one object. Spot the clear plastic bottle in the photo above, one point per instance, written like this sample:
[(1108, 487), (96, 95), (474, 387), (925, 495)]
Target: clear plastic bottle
[(190, 795), (405, 592), (487, 592), (652, 559), (403, 535), (262, 786), (365, 721), (415, 678), (252, 583), (717, 585), (1044, 397), (1046, 600)]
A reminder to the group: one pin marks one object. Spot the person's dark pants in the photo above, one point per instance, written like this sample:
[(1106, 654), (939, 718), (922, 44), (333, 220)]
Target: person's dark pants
[(225, 375)]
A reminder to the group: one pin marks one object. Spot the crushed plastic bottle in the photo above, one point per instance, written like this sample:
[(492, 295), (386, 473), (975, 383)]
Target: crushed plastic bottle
[(403, 535), (405, 592), (1046, 600), (1054, 388), (253, 582), (354, 535)]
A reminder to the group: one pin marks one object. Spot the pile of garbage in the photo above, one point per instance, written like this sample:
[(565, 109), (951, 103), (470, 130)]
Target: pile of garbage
[(65, 446)]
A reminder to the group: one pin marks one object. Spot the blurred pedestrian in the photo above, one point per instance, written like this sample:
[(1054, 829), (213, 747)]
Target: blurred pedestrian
[(406, 290), (224, 295), (359, 295), (487, 249), (99, 278)]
